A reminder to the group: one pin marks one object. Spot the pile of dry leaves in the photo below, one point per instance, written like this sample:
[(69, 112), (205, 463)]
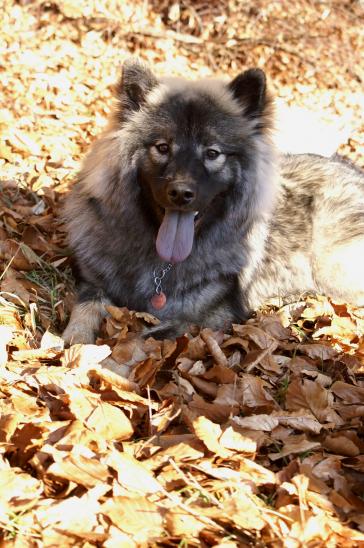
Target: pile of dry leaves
[(253, 438)]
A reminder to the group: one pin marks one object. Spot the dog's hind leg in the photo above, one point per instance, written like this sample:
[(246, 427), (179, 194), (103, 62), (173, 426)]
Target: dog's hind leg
[(84, 323), (340, 271)]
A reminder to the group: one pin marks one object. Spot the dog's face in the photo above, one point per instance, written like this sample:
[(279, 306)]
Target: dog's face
[(194, 141)]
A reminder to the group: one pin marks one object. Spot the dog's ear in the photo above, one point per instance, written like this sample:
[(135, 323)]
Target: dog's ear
[(137, 80), (250, 89)]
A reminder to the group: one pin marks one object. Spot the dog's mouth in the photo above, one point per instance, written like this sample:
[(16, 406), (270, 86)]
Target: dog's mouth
[(176, 234)]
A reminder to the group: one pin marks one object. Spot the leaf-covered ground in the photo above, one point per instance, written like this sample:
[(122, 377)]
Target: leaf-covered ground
[(249, 439)]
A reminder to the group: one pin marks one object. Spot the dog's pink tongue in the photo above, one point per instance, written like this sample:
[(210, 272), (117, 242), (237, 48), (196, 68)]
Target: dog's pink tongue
[(175, 235)]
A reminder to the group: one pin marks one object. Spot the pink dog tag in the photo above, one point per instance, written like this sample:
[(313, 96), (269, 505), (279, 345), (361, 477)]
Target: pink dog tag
[(158, 301)]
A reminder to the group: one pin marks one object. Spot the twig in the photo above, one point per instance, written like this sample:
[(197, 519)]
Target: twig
[(190, 479), (168, 34)]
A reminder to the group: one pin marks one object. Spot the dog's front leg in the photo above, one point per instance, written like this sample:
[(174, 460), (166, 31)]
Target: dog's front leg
[(84, 323)]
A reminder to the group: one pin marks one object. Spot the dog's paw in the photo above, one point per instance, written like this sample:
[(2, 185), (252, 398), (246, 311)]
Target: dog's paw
[(84, 323), (165, 330)]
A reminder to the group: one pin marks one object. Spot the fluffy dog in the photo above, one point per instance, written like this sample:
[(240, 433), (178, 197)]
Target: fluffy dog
[(183, 209)]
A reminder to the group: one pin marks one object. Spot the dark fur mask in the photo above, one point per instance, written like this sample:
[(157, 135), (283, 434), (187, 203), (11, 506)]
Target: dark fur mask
[(193, 143)]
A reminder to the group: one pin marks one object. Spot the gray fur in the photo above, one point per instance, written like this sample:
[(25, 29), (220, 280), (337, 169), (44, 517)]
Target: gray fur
[(268, 226)]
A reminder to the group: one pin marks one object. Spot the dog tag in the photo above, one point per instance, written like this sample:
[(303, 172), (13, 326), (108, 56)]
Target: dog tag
[(158, 301)]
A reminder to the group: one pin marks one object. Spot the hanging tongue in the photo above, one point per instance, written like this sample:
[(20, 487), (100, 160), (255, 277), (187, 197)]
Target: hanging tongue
[(175, 235)]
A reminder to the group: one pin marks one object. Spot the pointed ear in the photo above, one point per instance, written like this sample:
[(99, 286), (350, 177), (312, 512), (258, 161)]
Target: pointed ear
[(136, 82), (250, 89)]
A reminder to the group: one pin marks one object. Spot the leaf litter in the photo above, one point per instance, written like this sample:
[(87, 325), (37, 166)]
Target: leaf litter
[(247, 438)]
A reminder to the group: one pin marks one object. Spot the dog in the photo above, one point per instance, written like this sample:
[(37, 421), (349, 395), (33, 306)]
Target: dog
[(183, 209)]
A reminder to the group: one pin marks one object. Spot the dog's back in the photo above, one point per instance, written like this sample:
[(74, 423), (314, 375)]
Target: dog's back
[(315, 241)]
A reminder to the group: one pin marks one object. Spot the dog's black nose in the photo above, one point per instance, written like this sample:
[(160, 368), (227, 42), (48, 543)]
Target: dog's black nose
[(180, 194)]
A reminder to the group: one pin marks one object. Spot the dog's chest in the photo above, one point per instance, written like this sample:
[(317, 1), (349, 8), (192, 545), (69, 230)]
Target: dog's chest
[(152, 285), (188, 290)]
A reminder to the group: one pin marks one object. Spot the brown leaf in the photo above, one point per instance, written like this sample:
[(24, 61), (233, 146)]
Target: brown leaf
[(82, 403), (318, 351), (344, 329), (317, 307), (134, 321), (51, 341), (85, 356), (294, 445), (132, 474), (311, 395), (196, 349), (8, 425), (231, 439), (6, 334), (18, 489), (210, 433), (204, 387), (129, 350), (136, 516), (144, 373), (218, 412), (110, 422), (248, 471), (348, 392), (23, 142), (299, 420), (257, 422), (262, 339), (221, 375), (244, 511), (213, 347), (14, 284), (79, 469), (180, 523), (181, 452), (341, 445), (254, 393), (36, 354), (75, 516), (125, 388), (160, 421), (273, 326)]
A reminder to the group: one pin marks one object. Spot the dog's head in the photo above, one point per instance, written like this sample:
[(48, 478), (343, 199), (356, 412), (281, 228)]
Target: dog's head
[(192, 144)]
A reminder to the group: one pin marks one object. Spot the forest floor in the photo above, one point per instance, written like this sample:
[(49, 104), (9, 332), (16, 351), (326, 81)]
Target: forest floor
[(249, 439)]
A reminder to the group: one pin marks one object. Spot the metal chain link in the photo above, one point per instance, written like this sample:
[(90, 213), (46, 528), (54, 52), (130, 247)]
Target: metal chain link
[(158, 275)]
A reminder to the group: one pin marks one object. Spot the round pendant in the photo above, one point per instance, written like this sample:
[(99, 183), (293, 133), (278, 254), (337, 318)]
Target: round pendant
[(158, 301)]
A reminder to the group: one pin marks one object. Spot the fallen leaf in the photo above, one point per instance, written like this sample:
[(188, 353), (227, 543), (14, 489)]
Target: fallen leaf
[(79, 469), (136, 516), (257, 422), (213, 347), (341, 445), (318, 351), (256, 334), (254, 393), (132, 474), (85, 355), (110, 422), (6, 334), (237, 442), (244, 511), (180, 523), (210, 433), (51, 341), (294, 445), (348, 393)]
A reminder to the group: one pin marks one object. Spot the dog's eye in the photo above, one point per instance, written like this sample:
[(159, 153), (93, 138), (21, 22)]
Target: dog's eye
[(163, 148), (212, 154)]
